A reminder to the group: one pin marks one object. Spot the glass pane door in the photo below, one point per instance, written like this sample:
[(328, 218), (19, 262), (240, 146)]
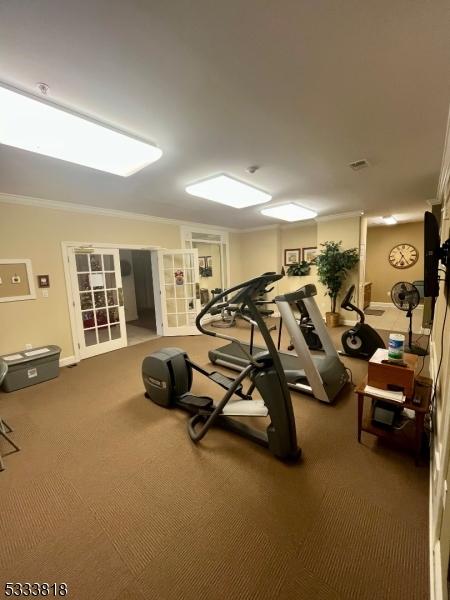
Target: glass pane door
[(210, 269), (98, 300), (180, 294)]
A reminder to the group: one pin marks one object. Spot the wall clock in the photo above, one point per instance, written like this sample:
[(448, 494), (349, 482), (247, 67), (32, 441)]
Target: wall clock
[(403, 256)]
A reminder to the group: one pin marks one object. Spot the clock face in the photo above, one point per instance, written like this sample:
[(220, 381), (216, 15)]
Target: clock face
[(403, 256)]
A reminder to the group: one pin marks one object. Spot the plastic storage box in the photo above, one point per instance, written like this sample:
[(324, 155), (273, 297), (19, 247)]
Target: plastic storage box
[(29, 367)]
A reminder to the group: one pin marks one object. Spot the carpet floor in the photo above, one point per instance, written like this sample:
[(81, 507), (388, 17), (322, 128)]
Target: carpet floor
[(109, 495)]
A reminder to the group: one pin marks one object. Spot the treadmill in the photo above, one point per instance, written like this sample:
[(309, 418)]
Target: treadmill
[(322, 376)]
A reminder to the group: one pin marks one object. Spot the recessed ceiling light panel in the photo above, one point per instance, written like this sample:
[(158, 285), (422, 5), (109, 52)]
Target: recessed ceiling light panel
[(389, 220), (227, 190), (289, 212), (39, 127)]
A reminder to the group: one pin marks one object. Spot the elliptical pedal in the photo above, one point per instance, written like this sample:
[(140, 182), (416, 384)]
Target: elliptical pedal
[(195, 403), (224, 381)]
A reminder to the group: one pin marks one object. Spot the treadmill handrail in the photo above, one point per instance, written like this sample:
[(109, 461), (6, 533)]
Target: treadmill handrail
[(306, 291)]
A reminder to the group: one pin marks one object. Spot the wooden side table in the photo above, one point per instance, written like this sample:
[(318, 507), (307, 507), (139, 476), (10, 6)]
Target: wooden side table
[(422, 391)]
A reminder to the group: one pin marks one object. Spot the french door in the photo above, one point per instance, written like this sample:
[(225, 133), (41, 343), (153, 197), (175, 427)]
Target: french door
[(97, 300), (180, 291)]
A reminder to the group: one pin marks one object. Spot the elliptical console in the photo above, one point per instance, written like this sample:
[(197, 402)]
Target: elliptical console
[(168, 373)]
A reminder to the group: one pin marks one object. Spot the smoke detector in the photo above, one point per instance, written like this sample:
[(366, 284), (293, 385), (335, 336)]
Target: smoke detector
[(359, 164), (252, 169), (43, 88)]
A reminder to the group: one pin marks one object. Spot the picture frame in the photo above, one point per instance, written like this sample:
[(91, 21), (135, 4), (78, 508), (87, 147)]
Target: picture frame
[(17, 279), (309, 254), (292, 256)]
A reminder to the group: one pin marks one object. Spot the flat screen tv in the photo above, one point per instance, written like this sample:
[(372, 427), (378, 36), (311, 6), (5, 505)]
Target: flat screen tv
[(433, 253), (432, 245)]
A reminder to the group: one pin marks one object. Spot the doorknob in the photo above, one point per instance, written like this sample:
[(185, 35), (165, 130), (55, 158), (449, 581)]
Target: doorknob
[(120, 292)]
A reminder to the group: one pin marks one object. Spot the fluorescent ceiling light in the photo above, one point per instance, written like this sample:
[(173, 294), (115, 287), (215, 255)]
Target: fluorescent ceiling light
[(289, 212), (39, 127), (389, 220), (227, 190)]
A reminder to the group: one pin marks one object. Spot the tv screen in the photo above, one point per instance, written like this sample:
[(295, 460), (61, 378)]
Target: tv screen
[(432, 245)]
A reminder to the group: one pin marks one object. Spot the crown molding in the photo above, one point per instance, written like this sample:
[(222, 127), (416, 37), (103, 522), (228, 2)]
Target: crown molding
[(346, 215), (252, 229), (106, 212), (308, 223)]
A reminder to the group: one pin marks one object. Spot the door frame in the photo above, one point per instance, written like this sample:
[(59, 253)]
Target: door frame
[(66, 247), (186, 232)]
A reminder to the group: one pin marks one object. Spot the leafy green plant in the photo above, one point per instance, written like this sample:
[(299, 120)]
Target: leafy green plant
[(333, 265), (298, 269)]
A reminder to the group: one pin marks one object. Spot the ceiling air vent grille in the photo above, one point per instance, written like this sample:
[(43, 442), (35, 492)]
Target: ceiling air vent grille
[(359, 164)]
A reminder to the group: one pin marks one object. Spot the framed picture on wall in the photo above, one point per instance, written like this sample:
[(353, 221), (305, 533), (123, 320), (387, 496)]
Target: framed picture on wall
[(310, 254), (292, 256)]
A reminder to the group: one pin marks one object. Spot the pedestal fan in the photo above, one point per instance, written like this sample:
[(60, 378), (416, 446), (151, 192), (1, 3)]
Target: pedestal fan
[(406, 297)]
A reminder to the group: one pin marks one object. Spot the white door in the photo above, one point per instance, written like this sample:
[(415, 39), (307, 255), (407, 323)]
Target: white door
[(98, 300), (180, 291)]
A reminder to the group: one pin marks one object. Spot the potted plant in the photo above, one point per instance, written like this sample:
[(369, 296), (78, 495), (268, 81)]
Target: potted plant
[(298, 269), (333, 265)]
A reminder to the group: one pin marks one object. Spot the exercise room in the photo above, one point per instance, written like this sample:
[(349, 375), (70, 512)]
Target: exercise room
[(224, 286)]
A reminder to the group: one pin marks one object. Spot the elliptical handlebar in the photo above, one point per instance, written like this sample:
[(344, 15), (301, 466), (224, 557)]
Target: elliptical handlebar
[(251, 286), (248, 289)]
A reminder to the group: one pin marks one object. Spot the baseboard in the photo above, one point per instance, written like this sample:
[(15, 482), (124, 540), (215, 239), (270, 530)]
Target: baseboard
[(68, 360), (381, 305), (348, 322)]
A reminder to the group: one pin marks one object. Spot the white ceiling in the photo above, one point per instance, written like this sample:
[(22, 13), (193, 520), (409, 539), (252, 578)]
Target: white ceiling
[(299, 87)]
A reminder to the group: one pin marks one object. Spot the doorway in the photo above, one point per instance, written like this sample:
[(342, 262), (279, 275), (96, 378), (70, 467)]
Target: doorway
[(138, 295), (162, 294), (212, 248)]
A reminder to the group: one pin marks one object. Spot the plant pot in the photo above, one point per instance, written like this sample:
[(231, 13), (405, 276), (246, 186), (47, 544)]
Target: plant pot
[(332, 319)]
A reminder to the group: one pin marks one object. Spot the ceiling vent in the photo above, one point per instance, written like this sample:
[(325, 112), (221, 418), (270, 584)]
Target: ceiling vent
[(359, 164)]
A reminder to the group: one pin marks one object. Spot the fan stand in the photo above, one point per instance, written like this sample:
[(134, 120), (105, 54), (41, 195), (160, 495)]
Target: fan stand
[(413, 348)]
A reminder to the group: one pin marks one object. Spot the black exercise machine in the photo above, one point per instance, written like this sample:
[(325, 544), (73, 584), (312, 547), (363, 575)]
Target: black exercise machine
[(306, 327), (168, 374), (361, 340)]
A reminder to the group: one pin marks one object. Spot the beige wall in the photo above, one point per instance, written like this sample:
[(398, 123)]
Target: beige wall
[(380, 241), (259, 252), (348, 231), (263, 250), (235, 259), (37, 233)]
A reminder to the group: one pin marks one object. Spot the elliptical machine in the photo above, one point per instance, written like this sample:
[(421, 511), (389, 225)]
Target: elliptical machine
[(361, 341), (167, 376)]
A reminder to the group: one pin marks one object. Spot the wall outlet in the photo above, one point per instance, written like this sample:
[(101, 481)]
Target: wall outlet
[(28, 346), (45, 293)]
